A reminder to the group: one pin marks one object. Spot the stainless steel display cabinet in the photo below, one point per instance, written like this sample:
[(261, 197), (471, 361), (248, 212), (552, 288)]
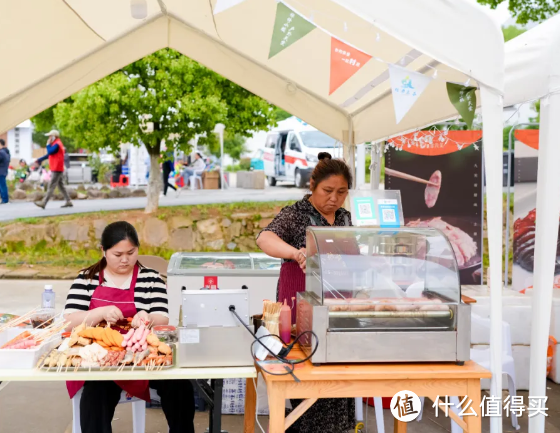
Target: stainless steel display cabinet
[(382, 295)]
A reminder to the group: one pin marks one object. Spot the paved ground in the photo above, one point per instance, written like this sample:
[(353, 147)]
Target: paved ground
[(234, 195), (40, 407)]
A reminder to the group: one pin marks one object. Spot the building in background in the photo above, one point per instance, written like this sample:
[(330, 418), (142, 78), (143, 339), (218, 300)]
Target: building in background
[(20, 141)]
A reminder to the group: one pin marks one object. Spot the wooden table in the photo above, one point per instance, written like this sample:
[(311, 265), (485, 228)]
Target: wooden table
[(367, 380)]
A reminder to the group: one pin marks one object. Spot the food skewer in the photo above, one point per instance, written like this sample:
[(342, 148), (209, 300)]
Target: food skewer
[(406, 176), (18, 320)]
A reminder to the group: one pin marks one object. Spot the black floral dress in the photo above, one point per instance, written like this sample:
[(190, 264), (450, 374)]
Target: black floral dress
[(330, 415)]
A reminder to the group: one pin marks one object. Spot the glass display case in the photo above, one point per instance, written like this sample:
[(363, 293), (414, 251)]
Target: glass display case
[(394, 293)]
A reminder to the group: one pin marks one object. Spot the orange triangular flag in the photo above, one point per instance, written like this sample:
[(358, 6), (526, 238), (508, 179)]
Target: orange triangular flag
[(345, 62)]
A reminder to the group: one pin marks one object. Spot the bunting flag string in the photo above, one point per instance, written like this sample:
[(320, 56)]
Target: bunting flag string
[(406, 86), (345, 62), (463, 97), (289, 27)]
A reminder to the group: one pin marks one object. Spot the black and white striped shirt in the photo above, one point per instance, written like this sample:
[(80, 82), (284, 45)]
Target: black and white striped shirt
[(150, 293)]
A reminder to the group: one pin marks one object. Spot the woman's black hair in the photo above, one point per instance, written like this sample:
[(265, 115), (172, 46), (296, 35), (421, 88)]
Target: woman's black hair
[(200, 154), (328, 167), (111, 236)]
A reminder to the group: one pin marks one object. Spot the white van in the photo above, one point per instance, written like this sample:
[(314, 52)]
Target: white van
[(291, 154)]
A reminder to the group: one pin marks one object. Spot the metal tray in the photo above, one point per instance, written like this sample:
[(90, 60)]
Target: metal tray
[(112, 368)]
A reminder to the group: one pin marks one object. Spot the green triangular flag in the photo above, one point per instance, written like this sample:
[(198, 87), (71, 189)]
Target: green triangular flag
[(289, 27), (464, 100)]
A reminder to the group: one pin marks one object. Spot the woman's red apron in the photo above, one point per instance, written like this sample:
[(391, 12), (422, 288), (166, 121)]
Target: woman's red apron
[(292, 279), (124, 300)]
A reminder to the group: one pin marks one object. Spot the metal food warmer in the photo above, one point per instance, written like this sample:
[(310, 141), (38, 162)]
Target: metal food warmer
[(256, 272), (382, 295)]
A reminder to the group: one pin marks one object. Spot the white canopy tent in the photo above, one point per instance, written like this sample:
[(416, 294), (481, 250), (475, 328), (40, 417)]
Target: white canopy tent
[(533, 73), (66, 45)]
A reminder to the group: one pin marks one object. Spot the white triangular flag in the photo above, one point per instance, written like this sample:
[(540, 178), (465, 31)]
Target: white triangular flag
[(222, 5), (407, 86)]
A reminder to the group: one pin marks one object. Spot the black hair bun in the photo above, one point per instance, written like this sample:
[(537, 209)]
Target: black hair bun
[(324, 155)]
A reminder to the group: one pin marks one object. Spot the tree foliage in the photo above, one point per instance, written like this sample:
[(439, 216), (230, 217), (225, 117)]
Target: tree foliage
[(163, 97), (527, 10), (511, 32), (43, 123)]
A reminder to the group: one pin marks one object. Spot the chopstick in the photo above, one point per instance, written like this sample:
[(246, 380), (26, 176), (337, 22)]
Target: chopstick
[(405, 176)]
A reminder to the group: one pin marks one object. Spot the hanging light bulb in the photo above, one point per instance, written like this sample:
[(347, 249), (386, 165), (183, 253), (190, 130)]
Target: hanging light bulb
[(435, 73), (138, 9), (377, 37), (345, 26)]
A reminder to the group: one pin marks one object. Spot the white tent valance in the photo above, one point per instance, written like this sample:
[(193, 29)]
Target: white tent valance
[(533, 73), (66, 45)]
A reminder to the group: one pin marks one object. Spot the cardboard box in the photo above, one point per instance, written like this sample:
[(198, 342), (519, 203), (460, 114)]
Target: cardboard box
[(211, 180)]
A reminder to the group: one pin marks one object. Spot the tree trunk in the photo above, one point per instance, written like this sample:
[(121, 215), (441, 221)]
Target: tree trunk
[(154, 182)]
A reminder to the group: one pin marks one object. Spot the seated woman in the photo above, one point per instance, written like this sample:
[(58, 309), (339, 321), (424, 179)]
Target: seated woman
[(197, 166), (115, 288)]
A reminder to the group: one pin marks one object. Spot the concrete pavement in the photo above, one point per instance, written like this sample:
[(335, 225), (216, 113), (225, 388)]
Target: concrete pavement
[(39, 407), (16, 210)]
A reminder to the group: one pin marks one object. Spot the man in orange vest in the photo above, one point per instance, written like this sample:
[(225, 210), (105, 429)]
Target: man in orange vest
[(55, 154)]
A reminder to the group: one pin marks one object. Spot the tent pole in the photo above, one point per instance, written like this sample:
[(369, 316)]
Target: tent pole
[(548, 208), (492, 135)]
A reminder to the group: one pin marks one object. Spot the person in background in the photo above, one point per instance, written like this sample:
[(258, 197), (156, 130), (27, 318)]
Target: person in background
[(4, 164), (198, 165), (114, 289), (285, 238), (23, 171), (55, 154), (167, 167)]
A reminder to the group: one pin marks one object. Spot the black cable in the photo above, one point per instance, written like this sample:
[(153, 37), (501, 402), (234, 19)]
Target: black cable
[(283, 353)]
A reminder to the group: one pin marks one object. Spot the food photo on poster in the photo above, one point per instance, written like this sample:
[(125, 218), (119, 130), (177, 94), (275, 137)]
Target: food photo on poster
[(439, 175), (524, 211)]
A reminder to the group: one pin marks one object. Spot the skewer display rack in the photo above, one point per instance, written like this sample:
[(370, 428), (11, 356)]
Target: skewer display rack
[(382, 295)]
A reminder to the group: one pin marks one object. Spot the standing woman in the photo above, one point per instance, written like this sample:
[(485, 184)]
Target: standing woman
[(284, 238), (115, 288)]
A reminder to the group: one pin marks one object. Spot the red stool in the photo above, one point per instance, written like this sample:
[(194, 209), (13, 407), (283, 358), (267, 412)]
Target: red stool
[(123, 181)]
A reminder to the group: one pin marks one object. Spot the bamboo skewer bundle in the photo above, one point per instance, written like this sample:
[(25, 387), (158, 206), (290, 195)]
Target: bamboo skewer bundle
[(271, 316), (18, 320)]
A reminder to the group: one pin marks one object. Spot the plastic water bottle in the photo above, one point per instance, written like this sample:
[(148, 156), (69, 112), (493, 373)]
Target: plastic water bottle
[(48, 297)]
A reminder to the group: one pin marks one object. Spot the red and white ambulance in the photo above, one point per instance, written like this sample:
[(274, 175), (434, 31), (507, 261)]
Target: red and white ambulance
[(291, 150)]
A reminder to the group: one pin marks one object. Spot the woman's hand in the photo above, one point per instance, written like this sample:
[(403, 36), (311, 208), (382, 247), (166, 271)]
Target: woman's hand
[(139, 318), (112, 314), (300, 256)]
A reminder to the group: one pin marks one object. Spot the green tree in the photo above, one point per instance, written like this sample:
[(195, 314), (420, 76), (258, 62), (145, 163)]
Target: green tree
[(527, 10), (282, 115), (164, 97), (43, 123), (512, 32), (234, 145)]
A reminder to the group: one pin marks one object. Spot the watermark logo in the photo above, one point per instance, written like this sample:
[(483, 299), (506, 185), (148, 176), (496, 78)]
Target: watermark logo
[(406, 406)]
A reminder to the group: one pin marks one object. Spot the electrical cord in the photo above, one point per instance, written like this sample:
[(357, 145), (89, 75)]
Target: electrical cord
[(289, 364), (257, 403)]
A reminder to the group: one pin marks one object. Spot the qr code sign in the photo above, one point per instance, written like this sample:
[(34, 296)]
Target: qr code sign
[(364, 210), (389, 216)]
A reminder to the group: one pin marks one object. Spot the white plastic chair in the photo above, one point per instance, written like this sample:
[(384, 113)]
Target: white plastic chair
[(138, 413), (378, 403), (196, 176), (482, 357)]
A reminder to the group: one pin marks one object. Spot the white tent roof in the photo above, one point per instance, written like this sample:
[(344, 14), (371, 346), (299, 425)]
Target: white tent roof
[(66, 45), (533, 63)]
